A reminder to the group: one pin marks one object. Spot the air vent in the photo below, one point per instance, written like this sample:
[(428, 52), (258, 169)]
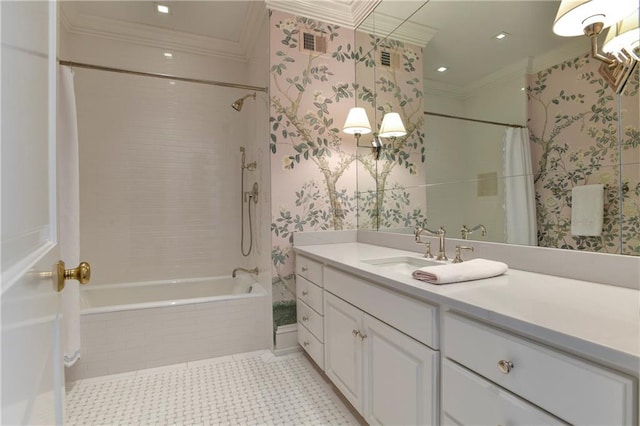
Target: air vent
[(389, 59), (313, 42)]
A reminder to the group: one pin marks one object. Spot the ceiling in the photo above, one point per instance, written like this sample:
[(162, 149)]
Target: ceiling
[(457, 33), (462, 35)]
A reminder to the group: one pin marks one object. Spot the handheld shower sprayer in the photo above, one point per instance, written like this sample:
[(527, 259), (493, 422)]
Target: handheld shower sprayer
[(237, 105), (247, 197)]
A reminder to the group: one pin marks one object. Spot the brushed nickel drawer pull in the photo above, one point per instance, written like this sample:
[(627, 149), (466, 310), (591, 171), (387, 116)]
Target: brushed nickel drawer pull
[(505, 366), (305, 292), (304, 269), (305, 318), (305, 343)]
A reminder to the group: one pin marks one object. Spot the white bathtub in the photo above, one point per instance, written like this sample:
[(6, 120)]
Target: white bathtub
[(152, 294), (133, 326)]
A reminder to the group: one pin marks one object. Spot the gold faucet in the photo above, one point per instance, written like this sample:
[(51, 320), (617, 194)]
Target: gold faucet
[(440, 233), (466, 231)]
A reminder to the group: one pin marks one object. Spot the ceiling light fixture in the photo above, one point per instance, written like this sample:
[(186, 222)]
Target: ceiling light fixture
[(168, 55), (162, 8), (501, 36), (442, 69), (590, 17)]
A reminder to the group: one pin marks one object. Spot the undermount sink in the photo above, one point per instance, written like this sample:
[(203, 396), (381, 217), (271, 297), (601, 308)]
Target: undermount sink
[(401, 264)]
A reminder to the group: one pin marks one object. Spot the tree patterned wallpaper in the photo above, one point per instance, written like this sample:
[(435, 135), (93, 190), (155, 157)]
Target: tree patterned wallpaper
[(573, 120), (314, 166)]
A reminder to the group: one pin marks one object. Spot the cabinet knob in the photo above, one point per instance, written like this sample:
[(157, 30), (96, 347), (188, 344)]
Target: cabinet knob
[(505, 366), (304, 269), (363, 336), (305, 343), (355, 332), (305, 292), (305, 318)]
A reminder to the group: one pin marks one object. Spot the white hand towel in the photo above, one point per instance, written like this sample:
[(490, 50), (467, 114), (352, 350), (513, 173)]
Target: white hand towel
[(474, 269), (587, 210)]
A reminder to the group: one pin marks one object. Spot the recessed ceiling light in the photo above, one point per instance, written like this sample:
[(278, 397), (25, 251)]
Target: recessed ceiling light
[(162, 8), (501, 36), (442, 69), (168, 55)]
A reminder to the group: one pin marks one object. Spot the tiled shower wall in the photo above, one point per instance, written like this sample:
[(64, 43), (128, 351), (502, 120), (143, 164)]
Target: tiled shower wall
[(160, 183), (160, 173)]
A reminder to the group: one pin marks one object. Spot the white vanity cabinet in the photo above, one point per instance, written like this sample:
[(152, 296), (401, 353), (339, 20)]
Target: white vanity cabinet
[(309, 308), (389, 377), (484, 363)]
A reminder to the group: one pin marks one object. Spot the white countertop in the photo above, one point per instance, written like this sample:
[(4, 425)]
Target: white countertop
[(600, 322)]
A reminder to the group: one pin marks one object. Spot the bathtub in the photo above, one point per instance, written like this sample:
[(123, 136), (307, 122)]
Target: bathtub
[(134, 326)]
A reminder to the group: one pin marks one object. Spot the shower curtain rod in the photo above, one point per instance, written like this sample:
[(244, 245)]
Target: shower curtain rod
[(165, 76), (474, 120)]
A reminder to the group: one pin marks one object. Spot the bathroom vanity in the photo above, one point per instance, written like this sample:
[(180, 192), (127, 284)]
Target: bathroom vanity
[(522, 348)]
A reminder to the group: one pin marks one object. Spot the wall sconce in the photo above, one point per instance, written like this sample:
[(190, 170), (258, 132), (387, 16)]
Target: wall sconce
[(357, 124), (590, 17)]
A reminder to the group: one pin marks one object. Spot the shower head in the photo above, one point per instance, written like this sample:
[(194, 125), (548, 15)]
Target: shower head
[(237, 105)]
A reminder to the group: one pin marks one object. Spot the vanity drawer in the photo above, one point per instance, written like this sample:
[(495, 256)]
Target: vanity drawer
[(574, 390), (413, 317), (468, 399), (309, 269), (310, 319), (312, 346), (309, 293)]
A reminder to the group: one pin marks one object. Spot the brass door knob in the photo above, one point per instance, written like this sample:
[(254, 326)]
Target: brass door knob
[(82, 274)]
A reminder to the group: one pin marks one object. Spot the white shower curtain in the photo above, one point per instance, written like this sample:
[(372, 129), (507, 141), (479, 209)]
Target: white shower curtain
[(69, 210), (520, 202)]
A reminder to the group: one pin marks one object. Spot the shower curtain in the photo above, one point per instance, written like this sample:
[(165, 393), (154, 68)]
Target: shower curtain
[(68, 210), (520, 203)]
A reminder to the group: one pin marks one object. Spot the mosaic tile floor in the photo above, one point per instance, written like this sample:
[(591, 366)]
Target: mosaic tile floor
[(245, 389)]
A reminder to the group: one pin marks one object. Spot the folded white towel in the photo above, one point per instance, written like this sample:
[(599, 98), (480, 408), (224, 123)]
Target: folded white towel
[(474, 269)]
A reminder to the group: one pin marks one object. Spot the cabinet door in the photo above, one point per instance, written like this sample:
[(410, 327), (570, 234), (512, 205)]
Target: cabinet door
[(400, 377), (343, 348)]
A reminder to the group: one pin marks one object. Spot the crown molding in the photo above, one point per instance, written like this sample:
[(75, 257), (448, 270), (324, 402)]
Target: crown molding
[(442, 89), (579, 47), (147, 35), (348, 14)]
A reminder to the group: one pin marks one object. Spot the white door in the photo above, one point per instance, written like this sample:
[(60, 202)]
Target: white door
[(31, 354)]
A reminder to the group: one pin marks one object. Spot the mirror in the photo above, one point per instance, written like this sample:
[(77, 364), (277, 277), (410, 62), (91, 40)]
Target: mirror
[(452, 171)]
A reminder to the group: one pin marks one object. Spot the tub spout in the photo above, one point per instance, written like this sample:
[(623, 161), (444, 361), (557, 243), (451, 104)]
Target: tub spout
[(253, 271)]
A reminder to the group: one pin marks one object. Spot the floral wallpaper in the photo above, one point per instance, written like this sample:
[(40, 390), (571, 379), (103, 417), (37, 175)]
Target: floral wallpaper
[(573, 120), (313, 176), (314, 165)]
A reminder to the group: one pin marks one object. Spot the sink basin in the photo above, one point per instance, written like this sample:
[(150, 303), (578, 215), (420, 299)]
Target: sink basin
[(404, 265)]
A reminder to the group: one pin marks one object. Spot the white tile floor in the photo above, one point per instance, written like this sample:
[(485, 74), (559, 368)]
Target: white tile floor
[(245, 389)]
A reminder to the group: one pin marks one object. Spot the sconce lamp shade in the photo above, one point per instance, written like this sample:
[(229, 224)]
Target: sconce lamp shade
[(357, 122), (623, 38), (392, 126), (574, 15)]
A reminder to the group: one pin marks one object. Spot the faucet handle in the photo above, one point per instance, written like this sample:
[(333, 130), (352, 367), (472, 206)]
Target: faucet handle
[(458, 258), (427, 253)]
